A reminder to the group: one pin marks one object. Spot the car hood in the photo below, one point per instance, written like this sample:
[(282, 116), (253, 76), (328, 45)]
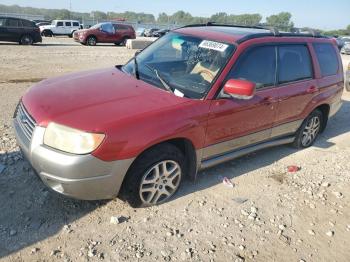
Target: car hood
[(46, 26), (93, 100)]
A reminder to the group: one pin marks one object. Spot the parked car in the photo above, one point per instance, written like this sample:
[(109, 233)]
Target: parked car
[(347, 78), (150, 31), (105, 33), (22, 31), (197, 97), (160, 33), (60, 27), (346, 46), (140, 31)]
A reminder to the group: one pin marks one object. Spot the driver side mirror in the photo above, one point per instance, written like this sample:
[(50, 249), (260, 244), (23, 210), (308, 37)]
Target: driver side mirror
[(241, 89)]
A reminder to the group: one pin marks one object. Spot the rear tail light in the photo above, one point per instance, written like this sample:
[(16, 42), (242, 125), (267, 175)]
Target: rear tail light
[(37, 29)]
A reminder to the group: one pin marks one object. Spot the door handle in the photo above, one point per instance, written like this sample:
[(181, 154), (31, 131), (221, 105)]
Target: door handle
[(311, 90), (269, 100)]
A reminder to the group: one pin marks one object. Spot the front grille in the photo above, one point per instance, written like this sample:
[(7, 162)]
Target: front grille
[(25, 121)]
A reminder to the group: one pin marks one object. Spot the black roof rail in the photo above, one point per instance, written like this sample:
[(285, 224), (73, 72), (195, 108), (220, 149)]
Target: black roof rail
[(295, 32), (271, 29)]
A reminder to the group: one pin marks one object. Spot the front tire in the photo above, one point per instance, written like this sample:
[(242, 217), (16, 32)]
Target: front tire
[(154, 177), (26, 40), (91, 41), (309, 130)]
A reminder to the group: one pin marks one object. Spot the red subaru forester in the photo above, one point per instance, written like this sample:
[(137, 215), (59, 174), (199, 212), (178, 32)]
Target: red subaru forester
[(197, 97)]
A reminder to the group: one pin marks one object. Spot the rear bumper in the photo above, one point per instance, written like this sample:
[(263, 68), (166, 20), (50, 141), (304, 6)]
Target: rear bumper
[(79, 176), (37, 38), (334, 108)]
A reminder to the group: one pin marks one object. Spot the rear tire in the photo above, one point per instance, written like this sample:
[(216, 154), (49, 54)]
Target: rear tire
[(122, 43), (154, 177), (309, 130), (71, 34), (26, 40)]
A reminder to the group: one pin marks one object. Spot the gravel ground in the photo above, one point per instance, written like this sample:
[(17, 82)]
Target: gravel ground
[(269, 214)]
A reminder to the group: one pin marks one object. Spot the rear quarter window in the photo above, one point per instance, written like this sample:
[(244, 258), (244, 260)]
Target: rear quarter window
[(27, 23), (327, 58), (75, 24)]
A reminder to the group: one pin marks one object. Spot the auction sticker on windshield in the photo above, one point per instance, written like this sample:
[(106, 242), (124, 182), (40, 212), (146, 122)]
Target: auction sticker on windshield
[(213, 45)]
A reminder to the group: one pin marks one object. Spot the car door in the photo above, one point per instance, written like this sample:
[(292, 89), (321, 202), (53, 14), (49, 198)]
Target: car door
[(59, 29), (296, 85), (120, 31), (14, 30), (107, 33), (235, 123), (67, 27)]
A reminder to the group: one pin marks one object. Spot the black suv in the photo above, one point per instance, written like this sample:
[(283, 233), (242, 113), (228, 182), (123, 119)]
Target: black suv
[(18, 30)]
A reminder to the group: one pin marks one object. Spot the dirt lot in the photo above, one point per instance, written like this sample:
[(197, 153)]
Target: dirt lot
[(270, 214)]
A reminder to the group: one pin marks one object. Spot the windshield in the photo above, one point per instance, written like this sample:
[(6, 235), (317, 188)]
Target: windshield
[(96, 26), (188, 65)]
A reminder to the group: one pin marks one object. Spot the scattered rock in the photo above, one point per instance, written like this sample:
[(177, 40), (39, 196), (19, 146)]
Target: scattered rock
[(240, 200), (311, 232), (244, 213), (54, 252), (325, 184), (118, 219), (13, 232), (338, 194), (241, 247), (330, 233), (34, 250)]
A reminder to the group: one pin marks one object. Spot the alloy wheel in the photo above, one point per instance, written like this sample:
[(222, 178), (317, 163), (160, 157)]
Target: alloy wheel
[(91, 41), (26, 40), (160, 182), (311, 131)]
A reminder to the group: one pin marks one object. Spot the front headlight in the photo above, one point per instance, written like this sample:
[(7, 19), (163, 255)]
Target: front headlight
[(71, 140)]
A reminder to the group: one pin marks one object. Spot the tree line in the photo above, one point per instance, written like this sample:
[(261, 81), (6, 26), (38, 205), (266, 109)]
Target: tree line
[(282, 21)]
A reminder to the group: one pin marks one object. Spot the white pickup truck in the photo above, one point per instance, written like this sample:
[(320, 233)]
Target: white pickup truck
[(60, 27)]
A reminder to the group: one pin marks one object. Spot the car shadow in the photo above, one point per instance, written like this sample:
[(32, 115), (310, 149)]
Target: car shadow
[(30, 212)]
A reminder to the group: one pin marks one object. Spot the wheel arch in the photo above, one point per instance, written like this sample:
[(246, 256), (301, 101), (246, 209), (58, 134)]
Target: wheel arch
[(186, 146), (324, 108)]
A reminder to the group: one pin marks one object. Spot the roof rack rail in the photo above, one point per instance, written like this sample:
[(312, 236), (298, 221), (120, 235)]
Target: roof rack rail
[(295, 32), (273, 30)]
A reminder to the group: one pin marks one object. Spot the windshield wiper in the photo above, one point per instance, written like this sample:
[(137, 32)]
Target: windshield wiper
[(164, 83), (136, 68)]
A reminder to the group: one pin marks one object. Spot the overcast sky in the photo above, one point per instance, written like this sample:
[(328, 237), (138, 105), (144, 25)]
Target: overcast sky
[(323, 14)]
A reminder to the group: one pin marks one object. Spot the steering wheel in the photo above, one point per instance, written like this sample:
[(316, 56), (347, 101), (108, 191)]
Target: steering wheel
[(206, 72)]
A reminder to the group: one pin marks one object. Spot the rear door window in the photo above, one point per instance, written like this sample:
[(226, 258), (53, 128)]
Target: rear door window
[(257, 65), (294, 63), (327, 58), (68, 24), (12, 22)]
